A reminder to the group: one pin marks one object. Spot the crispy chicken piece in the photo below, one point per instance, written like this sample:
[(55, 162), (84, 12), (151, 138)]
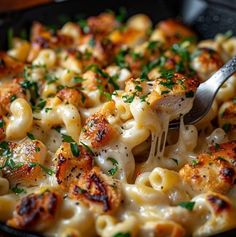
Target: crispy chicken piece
[(73, 96), (219, 211), (99, 191), (9, 92), (172, 31), (172, 93), (227, 116), (213, 171), (102, 24), (36, 211), (98, 130), (69, 166), (206, 62), (22, 165), (42, 38), (9, 66)]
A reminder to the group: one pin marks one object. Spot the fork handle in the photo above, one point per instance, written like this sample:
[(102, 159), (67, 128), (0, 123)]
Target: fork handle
[(218, 78)]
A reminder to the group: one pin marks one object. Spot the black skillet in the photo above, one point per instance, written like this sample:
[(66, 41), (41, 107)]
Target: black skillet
[(207, 18)]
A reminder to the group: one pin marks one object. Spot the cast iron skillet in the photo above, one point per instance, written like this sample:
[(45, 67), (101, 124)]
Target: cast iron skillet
[(207, 18)]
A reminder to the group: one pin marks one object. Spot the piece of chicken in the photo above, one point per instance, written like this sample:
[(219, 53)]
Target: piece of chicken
[(36, 211), (213, 171)]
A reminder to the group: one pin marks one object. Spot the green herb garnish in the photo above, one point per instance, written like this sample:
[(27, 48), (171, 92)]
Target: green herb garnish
[(88, 148), (18, 190), (1, 122), (75, 149), (66, 138), (30, 136), (187, 205), (189, 94), (227, 127), (128, 98), (138, 88), (121, 234), (113, 170), (44, 168)]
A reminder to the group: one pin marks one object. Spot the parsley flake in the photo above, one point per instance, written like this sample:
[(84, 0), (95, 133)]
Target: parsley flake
[(113, 170), (187, 205), (30, 136), (75, 149)]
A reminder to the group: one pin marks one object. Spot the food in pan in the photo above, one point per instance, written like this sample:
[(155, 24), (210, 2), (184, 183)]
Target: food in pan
[(85, 148)]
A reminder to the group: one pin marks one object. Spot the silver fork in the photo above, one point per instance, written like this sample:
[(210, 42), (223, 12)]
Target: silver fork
[(206, 93)]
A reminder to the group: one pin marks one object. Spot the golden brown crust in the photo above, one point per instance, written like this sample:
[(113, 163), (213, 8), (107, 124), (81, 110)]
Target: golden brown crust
[(98, 130), (9, 92), (102, 24), (174, 31), (36, 210), (9, 66), (70, 167), (26, 156), (214, 171), (99, 191), (73, 96), (206, 62)]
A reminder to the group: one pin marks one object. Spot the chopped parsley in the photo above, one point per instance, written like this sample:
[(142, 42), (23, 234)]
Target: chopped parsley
[(165, 92), (187, 205), (120, 59), (44, 168), (227, 127), (181, 51), (168, 74), (217, 146), (66, 138), (122, 234), (37, 149), (138, 88), (78, 79), (40, 105), (87, 148), (113, 170), (148, 67), (18, 190), (30, 136), (92, 42), (33, 89), (50, 78), (128, 98), (152, 45), (13, 97), (168, 84), (84, 25), (195, 162), (136, 56), (1, 122), (75, 149), (48, 109), (189, 94), (221, 158), (121, 15), (143, 98)]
